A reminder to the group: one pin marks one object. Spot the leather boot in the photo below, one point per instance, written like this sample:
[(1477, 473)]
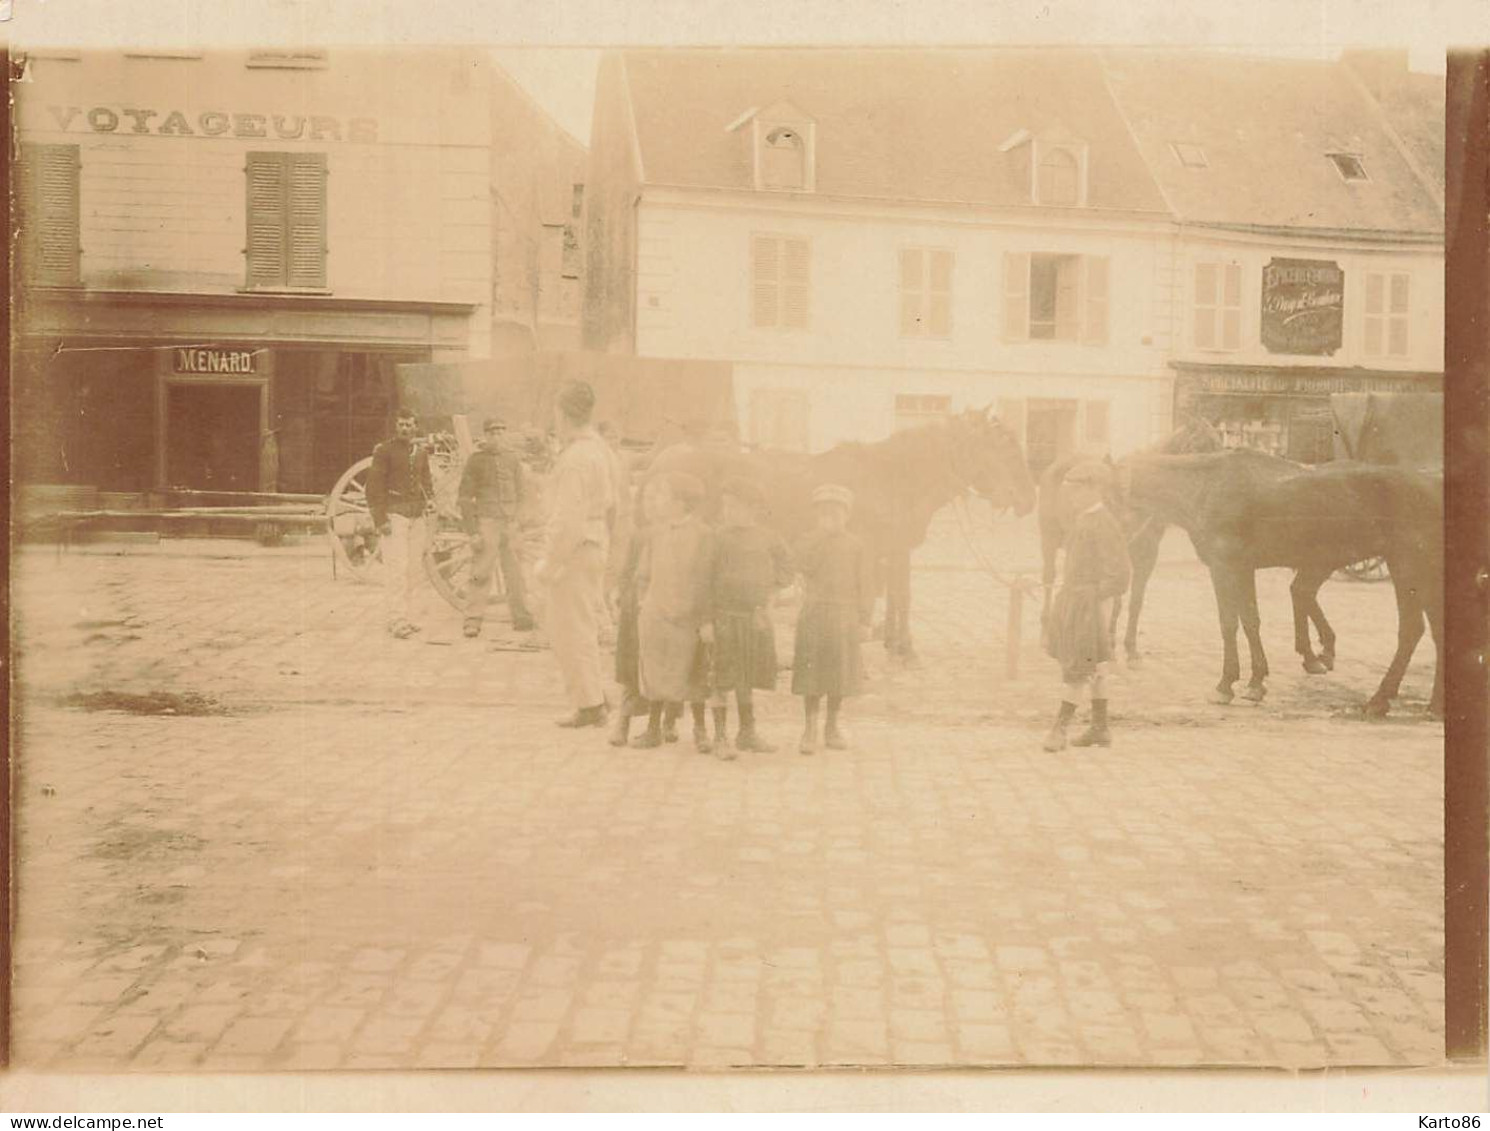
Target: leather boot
[(748, 739), (1097, 734), (1056, 739)]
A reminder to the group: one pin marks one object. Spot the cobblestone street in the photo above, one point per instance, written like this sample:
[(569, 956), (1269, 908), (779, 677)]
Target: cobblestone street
[(341, 850)]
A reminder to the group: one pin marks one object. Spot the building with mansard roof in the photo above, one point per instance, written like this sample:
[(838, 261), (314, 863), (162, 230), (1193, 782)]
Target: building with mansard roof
[(1089, 240)]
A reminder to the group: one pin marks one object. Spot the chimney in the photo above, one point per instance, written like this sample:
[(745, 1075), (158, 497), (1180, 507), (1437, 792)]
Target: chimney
[(1377, 67)]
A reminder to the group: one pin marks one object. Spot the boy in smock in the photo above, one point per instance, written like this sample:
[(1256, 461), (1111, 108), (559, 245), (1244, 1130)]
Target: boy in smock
[(837, 602), (1095, 572), (750, 563), (673, 592)]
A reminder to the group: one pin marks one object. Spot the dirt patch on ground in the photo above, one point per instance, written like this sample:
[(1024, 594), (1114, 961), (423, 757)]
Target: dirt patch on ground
[(151, 703), (134, 842)]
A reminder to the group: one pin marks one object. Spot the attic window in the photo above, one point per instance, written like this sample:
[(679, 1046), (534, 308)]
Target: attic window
[(1190, 156), (1059, 178), (1349, 166), (783, 160)]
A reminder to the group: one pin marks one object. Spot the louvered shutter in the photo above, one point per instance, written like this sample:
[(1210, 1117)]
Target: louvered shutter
[(268, 237), (765, 269), (794, 284), (1375, 304), (1205, 306), (911, 277), (1397, 323), (306, 220), (1016, 296), (1231, 315), (1095, 333), (50, 214), (939, 298)]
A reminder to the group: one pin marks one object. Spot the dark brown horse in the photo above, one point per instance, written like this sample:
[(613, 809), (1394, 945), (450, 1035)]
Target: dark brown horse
[(1242, 516), (898, 484), (1145, 530)]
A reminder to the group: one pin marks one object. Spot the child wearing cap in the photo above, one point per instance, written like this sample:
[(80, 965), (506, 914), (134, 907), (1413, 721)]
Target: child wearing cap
[(836, 606), (1096, 570), (750, 563), (672, 595)]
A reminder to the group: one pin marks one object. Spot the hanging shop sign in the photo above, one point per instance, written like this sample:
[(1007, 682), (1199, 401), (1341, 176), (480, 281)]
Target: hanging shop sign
[(212, 123), (1303, 306)]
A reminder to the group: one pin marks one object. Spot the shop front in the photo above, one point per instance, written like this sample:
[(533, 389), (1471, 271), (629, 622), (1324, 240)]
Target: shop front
[(1284, 410)]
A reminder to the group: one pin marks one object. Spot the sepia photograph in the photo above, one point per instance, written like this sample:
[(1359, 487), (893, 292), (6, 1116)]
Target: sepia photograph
[(728, 557)]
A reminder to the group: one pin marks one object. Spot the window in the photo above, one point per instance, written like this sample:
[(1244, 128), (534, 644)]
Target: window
[(49, 215), (1349, 166), (915, 409), (286, 221), (1058, 181), (289, 60), (577, 206), (1190, 156), (1386, 314), (783, 160), (570, 260), (779, 419), (1059, 298), (779, 273), (1218, 306), (925, 293)]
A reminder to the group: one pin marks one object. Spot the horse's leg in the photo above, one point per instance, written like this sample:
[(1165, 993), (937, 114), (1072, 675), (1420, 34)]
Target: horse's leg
[(1409, 632), (1112, 623), (1305, 593), (1144, 554), (898, 629), (1252, 625), (908, 646), (1226, 609), (1433, 606)]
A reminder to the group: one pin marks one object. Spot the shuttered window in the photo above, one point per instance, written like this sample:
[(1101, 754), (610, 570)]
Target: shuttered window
[(1061, 298), (1218, 306), (780, 277), (1386, 314), (50, 243), (925, 293), (286, 221)]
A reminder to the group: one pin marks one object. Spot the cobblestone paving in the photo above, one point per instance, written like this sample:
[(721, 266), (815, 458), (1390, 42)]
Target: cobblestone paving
[(382, 854)]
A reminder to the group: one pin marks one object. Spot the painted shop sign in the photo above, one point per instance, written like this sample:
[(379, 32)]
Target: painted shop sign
[(1303, 385), (193, 359), (213, 123), (1303, 306)]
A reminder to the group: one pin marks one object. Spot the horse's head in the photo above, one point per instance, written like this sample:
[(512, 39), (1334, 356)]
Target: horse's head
[(988, 457), (1194, 435)]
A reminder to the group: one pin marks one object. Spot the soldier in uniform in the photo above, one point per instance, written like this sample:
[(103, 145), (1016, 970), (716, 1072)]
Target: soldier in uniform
[(399, 490), (1095, 572), (491, 493)]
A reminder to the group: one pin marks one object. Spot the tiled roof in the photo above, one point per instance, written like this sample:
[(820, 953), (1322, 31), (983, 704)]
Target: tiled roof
[(926, 126), (1266, 126), (919, 125)]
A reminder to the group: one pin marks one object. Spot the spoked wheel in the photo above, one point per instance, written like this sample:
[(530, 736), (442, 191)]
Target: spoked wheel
[(354, 538), (1372, 569), (447, 562)]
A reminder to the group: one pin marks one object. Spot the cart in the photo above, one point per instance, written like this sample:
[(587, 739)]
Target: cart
[(648, 402)]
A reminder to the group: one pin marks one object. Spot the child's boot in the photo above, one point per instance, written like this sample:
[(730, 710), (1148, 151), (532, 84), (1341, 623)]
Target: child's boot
[(1097, 734), (748, 739), (833, 737), (652, 738), (701, 730), (722, 748), (1056, 739), (670, 722), (808, 745)]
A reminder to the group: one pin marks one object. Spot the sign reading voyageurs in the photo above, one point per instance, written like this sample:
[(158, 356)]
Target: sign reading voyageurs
[(1303, 306)]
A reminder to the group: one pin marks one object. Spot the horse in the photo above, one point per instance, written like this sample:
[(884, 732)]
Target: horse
[(1243, 515), (1145, 531), (899, 483)]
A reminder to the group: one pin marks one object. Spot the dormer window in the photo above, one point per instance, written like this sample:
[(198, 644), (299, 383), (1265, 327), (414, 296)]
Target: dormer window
[(1058, 179), (1349, 166), (784, 160), (783, 146), (1190, 156)]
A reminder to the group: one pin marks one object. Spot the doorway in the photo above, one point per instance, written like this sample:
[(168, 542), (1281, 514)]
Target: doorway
[(212, 436)]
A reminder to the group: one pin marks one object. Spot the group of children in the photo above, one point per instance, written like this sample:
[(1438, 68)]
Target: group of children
[(694, 623)]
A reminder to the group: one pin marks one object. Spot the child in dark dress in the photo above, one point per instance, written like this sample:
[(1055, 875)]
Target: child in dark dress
[(836, 606), (628, 583), (750, 563)]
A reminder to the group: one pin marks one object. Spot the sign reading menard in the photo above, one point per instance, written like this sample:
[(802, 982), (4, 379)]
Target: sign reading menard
[(196, 360), (1303, 306)]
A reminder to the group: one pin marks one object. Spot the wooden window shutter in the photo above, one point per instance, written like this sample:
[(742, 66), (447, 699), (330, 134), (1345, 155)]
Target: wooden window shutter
[(268, 240), (939, 297), (1095, 333), (1205, 306), (1397, 323), (765, 254), (1375, 303), (306, 220), (1016, 296), (795, 282), (1231, 315), (912, 305), (49, 219)]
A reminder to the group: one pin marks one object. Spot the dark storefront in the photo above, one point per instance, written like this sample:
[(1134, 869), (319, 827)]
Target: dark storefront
[(1282, 410)]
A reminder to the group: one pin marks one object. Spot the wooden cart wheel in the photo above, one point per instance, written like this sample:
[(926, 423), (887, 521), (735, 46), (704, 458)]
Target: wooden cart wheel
[(354, 538), (447, 563), (1372, 569)]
